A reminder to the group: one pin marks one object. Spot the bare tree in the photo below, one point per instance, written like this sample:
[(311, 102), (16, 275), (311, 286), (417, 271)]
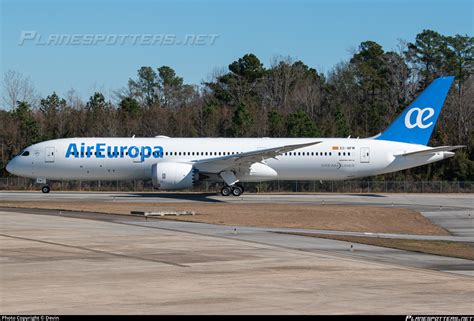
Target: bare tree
[(17, 87), (73, 100)]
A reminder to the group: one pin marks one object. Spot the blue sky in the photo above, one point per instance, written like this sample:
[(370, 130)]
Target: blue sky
[(320, 33)]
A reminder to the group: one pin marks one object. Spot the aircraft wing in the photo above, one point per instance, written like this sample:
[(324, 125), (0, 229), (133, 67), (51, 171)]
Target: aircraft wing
[(218, 164), (432, 150)]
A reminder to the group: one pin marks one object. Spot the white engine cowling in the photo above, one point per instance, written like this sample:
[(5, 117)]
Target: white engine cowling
[(173, 175)]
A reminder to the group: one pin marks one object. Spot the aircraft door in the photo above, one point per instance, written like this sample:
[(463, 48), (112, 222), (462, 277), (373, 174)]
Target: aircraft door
[(49, 155), (365, 155)]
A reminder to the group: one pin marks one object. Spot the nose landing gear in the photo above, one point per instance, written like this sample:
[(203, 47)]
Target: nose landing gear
[(41, 180)]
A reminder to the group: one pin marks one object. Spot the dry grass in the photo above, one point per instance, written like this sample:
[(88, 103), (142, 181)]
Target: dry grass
[(308, 216), (444, 248)]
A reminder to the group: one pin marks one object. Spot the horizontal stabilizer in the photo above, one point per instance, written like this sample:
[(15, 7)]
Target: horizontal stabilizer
[(432, 150)]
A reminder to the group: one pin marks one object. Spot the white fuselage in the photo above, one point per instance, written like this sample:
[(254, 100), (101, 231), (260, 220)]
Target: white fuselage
[(332, 159)]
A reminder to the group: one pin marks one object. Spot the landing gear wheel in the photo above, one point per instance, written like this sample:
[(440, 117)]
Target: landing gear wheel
[(45, 189), (237, 191), (241, 187), (226, 191)]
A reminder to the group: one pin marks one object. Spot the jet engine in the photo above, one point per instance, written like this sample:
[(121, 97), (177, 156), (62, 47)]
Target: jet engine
[(173, 175)]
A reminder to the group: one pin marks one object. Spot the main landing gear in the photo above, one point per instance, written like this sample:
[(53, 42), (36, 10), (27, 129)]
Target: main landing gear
[(235, 190), (45, 189)]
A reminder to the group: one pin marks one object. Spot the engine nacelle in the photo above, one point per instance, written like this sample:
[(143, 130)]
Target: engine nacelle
[(173, 175)]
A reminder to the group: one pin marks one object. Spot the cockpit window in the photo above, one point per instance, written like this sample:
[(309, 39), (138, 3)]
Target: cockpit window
[(25, 153)]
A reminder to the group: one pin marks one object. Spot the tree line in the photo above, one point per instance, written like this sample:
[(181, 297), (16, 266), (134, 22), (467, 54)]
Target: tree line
[(356, 98)]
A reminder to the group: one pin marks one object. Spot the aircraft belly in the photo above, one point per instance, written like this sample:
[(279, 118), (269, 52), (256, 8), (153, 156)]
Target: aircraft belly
[(109, 170), (308, 170)]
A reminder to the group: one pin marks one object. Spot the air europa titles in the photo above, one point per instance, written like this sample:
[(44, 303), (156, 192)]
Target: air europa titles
[(102, 150)]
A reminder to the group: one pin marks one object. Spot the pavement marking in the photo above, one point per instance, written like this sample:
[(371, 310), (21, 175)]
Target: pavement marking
[(93, 250)]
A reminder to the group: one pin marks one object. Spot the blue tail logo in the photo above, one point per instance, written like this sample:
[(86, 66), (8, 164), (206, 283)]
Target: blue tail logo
[(415, 124), (420, 119)]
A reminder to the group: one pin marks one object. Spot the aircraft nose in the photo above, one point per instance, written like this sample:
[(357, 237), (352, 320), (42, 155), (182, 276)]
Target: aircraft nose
[(11, 166)]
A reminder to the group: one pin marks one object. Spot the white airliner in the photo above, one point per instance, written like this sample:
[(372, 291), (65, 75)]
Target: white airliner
[(181, 163)]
